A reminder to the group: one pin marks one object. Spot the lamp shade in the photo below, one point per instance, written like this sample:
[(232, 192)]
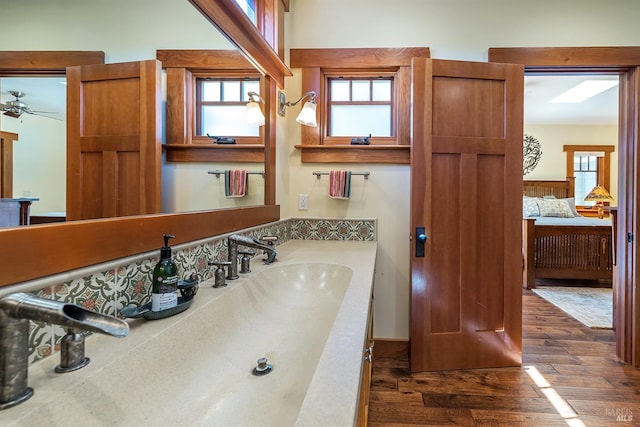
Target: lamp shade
[(598, 194), (307, 116), (254, 114)]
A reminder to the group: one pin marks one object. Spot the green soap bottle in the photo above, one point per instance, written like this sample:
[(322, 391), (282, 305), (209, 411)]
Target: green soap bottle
[(164, 293)]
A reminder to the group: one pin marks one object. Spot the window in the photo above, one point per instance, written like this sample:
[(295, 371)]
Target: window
[(585, 170), (221, 106), (249, 8), (591, 166), (360, 106)]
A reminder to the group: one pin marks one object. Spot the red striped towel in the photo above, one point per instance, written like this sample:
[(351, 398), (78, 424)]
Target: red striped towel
[(339, 184), (235, 183)]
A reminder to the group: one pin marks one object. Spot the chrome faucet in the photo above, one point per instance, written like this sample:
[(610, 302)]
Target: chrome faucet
[(15, 311), (234, 240)]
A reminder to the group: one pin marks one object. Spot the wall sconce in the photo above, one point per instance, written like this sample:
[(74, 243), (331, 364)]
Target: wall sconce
[(254, 113), (307, 115), (599, 194)]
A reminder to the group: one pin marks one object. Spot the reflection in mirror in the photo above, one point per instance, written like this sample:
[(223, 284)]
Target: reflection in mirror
[(39, 155), (40, 151)]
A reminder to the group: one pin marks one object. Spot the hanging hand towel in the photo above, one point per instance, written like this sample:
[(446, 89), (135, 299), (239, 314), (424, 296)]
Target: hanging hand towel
[(339, 184), (235, 183)]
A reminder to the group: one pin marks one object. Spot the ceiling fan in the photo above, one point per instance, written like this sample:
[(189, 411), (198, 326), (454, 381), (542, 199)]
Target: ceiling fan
[(16, 108)]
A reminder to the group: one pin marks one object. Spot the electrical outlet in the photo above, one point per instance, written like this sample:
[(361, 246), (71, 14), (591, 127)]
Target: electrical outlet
[(303, 202)]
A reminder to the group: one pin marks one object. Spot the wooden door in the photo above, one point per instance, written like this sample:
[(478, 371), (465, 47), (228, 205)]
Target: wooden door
[(626, 299), (466, 191), (113, 140)]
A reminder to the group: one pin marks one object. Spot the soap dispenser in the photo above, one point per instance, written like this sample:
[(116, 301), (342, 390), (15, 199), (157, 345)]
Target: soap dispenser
[(164, 293)]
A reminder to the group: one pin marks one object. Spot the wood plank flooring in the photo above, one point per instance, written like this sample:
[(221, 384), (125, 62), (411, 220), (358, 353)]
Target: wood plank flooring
[(569, 376)]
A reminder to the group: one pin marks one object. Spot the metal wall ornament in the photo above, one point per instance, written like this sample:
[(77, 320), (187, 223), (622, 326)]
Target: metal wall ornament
[(531, 153)]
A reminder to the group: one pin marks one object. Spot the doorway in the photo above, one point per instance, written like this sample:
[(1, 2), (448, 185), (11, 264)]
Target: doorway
[(624, 61), (574, 120)]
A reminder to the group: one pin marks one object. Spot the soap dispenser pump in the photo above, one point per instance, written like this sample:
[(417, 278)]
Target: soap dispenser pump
[(164, 293)]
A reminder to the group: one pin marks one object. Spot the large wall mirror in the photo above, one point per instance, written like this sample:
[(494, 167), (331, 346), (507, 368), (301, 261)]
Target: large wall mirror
[(41, 250)]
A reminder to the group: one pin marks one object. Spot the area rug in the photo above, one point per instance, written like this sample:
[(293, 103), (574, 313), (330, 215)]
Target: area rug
[(591, 306)]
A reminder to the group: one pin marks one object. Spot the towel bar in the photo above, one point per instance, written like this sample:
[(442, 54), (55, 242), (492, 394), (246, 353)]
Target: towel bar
[(217, 173), (366, 174)]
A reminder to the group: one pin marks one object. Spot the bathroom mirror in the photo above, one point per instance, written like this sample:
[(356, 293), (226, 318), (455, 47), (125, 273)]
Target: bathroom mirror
[(42, 250)]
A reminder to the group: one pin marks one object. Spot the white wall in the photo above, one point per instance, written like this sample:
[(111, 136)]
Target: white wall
[(40, 161), (455, 29)]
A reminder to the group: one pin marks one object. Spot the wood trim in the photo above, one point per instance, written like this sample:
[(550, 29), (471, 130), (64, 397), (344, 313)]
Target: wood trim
[(356, 57), (42, 62), (567, 57), (227, 16), (391, 348), (6, 163), (313, 80), (196, 59), (397, 154), (270, 95), (179, 116), (253, 153), (42, 250)]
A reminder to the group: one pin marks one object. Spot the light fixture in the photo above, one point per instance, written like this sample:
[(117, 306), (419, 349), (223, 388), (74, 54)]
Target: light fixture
[(584, 91), (307, 116), (254, 113), (599, 194)]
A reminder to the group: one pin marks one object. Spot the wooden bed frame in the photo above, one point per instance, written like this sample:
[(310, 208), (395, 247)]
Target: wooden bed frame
[(563, 252)]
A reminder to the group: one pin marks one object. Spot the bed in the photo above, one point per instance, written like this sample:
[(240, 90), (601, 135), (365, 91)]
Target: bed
[(563, 248)]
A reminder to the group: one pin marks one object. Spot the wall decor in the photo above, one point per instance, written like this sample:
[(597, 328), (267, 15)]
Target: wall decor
[(531, 153)]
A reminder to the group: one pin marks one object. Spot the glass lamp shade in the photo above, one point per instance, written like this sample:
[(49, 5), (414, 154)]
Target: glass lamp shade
[(254, 114), (307, 116), (598, 194)]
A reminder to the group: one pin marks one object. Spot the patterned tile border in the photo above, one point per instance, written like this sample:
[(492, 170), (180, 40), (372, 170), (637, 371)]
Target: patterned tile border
[(333, 229), (111, 290)]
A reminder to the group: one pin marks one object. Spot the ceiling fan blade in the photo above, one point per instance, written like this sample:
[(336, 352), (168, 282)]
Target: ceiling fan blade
[(42, 115), (12, 114), (41, 112)]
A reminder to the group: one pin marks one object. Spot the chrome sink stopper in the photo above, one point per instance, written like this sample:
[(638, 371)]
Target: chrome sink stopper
[(263, 367)]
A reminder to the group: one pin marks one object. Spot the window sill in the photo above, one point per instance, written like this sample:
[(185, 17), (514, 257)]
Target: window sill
[(399, 154), (249, 153)]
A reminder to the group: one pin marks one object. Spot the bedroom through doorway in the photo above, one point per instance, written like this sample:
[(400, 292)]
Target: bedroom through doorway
[(574, 137)]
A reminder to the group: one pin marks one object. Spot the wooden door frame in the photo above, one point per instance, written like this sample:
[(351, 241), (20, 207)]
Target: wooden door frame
[(624, 62)]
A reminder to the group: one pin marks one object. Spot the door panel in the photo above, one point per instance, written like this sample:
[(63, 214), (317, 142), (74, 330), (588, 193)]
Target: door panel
[(466, 178), (113, 134)]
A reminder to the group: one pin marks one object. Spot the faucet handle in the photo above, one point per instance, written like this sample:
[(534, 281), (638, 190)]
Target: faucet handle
[(219, 275), (269, 240), (245, 262)]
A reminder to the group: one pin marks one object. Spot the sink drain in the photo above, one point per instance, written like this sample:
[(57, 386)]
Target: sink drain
[(263, 367)]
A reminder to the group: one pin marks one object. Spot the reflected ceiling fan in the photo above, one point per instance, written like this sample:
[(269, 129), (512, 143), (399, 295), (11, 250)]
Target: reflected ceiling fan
[(17, 108)]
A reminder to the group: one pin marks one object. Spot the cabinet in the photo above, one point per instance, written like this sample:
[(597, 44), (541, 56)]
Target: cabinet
[(365, 381)]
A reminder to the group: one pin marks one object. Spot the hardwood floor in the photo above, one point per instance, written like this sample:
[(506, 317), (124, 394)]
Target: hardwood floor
[(569, 376)]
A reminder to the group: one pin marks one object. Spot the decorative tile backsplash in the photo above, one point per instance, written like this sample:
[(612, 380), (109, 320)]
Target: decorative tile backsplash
[(111, 290)]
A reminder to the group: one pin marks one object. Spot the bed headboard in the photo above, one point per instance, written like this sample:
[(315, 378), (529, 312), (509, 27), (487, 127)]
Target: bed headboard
[(541, 188)]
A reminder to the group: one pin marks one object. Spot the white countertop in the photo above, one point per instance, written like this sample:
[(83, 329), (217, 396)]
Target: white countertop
[(183, 351)]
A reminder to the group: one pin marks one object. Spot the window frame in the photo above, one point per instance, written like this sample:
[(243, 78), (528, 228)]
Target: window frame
[(318, 64), (604, 166), (182, 67)]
